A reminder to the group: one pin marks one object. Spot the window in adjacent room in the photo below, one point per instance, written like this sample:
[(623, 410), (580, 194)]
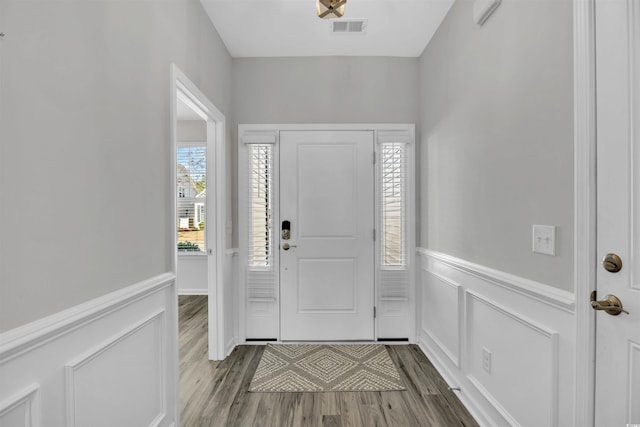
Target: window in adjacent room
[(192, 195)]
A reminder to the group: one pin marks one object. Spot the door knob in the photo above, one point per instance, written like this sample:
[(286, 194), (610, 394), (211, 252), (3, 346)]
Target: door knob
[(287, 246), (610, 304), (612, 263)]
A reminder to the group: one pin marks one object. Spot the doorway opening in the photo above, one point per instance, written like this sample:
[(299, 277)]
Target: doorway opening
[(197, 214)]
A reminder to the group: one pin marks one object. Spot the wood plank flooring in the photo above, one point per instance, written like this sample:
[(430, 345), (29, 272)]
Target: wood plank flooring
[(215, 393)]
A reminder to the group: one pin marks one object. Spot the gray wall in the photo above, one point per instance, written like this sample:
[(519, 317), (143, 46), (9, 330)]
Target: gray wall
[(326, 90), (84, 133), (496, 149)]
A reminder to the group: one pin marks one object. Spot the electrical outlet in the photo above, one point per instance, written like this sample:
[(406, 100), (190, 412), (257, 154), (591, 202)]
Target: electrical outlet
[(486, 360)]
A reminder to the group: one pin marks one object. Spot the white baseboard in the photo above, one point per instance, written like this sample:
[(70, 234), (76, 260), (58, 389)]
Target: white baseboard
[(119, 355), (468, 314), (231, 345)]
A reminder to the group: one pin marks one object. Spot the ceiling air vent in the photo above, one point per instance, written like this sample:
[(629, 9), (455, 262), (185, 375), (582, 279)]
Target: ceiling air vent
[(343, 27)]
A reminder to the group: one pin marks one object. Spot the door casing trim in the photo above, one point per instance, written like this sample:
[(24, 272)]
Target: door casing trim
[(584, 207), (216, 175), (411, 214)]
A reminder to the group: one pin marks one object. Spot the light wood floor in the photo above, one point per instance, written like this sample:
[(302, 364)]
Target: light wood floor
[(215, 393)]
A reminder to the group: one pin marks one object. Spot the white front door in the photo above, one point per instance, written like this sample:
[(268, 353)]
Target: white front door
[(618, 211), (327, 272)]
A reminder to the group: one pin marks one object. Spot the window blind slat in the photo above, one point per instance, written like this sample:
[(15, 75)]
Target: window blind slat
[(393, 201), (260, 206)]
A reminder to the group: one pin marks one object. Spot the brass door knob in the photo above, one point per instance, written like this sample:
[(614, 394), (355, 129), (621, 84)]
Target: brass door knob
[(610, 304), (612, 263)]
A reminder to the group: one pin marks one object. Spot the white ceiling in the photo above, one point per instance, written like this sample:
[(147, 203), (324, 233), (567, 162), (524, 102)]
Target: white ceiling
[(263, 28)]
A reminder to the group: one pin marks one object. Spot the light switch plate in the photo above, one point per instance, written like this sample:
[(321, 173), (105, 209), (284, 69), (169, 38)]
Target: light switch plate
[(544, 239)]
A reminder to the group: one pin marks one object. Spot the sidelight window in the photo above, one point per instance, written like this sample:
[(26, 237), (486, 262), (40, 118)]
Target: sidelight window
[(393, 204), (260, 205)]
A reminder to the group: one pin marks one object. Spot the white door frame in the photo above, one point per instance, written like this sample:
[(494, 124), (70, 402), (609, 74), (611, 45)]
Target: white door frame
[(377, 128), (585, 262), (216, 185)]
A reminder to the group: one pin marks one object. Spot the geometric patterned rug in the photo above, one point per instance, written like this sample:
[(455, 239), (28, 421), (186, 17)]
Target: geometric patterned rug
[(317, 368)]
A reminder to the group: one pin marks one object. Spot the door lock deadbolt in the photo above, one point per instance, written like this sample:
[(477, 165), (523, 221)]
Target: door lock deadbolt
[(612, 263), (286, 230)]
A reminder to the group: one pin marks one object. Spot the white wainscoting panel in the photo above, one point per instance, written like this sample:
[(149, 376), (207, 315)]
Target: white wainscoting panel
[(109, 361), (130, 395), (21, 410), (466, 311), (441, 303), (523, 366)]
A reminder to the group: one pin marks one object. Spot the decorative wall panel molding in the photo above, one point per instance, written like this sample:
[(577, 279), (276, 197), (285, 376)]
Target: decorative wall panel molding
[(506, 342), (119, 348), (21, 409), (121, 381), (522, 367), (441, 317)]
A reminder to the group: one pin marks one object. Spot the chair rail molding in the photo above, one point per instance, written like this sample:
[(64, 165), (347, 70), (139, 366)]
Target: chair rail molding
[(24, 338), (532, 289)]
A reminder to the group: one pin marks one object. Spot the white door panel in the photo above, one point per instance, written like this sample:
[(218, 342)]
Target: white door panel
[(327, 275), (340, 273), (328, 201), (618, 209)]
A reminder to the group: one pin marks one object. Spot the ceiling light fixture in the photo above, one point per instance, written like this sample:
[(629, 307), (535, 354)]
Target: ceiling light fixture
[(328, 9)]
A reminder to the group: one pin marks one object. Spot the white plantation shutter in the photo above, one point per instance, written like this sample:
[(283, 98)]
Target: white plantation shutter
[(192, 196), (258, 187), (393, 243), (394, 269), (260, 206)]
